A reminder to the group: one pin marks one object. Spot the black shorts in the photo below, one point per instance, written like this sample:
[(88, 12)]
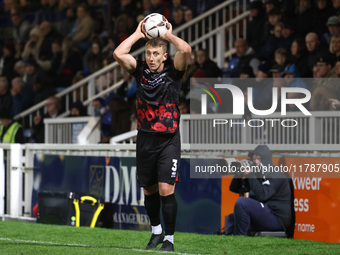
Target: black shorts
[(158, 158)]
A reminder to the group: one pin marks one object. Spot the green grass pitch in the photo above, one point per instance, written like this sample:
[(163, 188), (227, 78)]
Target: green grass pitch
[(23, 238)]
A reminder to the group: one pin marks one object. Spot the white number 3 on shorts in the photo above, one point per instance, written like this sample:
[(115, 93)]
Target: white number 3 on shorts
[(174, 167)]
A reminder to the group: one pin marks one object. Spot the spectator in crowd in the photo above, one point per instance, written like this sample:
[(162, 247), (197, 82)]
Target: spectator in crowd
[(276, 71), (292, 77), (113, 42), (124, 25), (281, 56), (256, 26), (336, 6), (10, 131), (246, 55), (270, 205), (71, 62), (93, 60), (20, 69), (6, 99), (77, 109), (178, 18), (321, 99), (175, 4), (305, 17), (162, 7), (21, 30), (124, 7), (143, 10), (334, 47), (23, 96), (274, 17), (7, 61), (263, 70), (57, 55), (82, 31), (299, 57), (188, 15), (34, 73), (333, 25), (323, 11), (102, 111), (288, 35), (324, 66), (53, 109), (270, 5), (205, 63), (45, 53), (272, 43), (335, 72), (315, 49), (67, 24), (32, 47), (335, 104)]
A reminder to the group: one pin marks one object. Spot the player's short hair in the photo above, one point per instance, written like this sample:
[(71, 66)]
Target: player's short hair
[(158, 42)]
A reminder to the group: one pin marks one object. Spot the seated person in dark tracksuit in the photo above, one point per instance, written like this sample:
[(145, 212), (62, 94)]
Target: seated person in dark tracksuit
[(270, 205)]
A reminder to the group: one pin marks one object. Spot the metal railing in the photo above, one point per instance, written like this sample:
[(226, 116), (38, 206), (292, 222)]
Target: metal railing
[(210, 30), (322, 128), (67, 130)]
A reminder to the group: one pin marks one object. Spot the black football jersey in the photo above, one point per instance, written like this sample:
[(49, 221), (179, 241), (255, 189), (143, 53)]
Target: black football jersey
[(158, 98)]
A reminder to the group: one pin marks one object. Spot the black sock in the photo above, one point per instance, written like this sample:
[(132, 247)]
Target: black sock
[(169, 211), (153, 205)]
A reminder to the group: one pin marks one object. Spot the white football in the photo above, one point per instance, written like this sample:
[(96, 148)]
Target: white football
[(154, 25)]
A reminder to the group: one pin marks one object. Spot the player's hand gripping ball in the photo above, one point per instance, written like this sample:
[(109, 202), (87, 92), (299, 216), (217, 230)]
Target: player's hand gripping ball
[(154, 25)]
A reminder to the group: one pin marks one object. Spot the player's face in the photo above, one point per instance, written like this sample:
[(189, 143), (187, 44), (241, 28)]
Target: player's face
[(155, 57)]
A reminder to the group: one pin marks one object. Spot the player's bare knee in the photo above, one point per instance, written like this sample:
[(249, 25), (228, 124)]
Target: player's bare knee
[(150, 190), (166, 189)]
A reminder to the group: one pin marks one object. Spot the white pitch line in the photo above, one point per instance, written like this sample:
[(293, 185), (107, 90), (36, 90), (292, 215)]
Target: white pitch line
[(83, 245)]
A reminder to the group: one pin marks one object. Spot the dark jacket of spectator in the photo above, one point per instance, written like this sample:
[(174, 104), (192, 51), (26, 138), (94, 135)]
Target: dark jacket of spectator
[(255, 27)]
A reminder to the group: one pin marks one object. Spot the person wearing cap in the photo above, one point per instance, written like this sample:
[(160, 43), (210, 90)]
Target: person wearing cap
[(324, 66), (10, 131), (333, 25), (255, 27), (276, 71)]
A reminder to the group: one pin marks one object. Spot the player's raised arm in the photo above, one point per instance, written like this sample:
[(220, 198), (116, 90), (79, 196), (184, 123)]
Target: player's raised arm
[(182, 57), (121, 53)]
